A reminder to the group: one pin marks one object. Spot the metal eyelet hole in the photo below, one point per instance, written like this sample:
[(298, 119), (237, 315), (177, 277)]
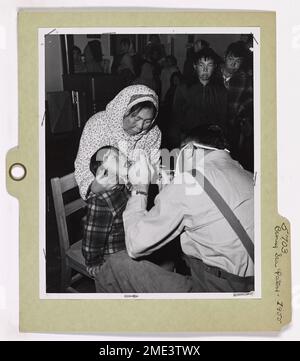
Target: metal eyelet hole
[(17, 171)]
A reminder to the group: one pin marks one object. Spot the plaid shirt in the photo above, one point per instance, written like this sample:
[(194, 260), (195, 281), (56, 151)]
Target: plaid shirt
[(240, 95), (104, 231)]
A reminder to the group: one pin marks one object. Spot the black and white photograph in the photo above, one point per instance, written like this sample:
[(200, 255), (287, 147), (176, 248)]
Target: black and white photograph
[(149, 161)]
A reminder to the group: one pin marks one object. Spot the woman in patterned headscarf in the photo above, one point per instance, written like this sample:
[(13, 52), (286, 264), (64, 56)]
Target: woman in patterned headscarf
[(125, 127), (127, 124)]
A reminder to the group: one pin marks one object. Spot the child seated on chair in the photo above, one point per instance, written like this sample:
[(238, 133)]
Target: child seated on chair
[(103, 230)]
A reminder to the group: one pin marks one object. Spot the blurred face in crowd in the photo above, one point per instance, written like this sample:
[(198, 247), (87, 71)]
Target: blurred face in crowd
[(124, 47), (76, 55), (204, 69), (232, 63), (138, 121), (155, 55)]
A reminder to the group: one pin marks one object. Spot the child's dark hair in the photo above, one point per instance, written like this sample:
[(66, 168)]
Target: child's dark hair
[(206, 53), (94, 163), (237, 49), (143, 105), (210, 135)]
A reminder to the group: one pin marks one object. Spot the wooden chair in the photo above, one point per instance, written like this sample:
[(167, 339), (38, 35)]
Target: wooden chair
[(71, 255)]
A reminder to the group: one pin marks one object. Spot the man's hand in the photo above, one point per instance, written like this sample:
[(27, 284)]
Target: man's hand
[(140, 173), (164, 178), (93, 270)]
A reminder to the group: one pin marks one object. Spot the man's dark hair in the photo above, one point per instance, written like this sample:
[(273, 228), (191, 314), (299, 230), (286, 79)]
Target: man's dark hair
[(237, 49), (210, 135), (206, 53)]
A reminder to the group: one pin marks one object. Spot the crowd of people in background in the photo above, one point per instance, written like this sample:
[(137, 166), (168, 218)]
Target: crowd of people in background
[(211, 89)]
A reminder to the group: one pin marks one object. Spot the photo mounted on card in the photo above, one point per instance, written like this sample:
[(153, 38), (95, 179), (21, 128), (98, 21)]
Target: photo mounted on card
[(148, 151)]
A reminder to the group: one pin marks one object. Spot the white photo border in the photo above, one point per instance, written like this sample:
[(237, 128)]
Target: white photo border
[(256, 294)]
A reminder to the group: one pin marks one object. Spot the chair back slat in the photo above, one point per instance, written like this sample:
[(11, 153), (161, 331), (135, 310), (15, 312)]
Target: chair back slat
[(60, 216), (68, 182), (62, 210), (74, 206)]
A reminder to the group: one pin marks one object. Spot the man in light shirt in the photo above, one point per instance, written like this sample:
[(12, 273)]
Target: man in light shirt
[(217, 258)]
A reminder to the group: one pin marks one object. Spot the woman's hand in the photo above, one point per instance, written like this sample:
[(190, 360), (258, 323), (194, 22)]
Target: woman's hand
[(104, 181), (140, 173)]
